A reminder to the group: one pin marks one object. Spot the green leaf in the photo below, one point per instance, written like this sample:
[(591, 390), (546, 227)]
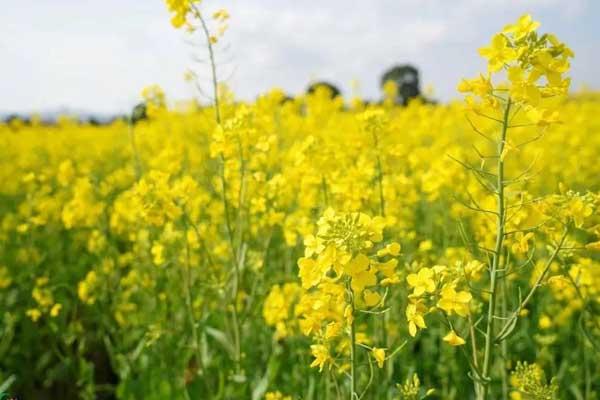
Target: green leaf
[(222, 338)]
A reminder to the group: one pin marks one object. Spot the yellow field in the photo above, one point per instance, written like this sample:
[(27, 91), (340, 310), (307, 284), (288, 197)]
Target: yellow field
[(311, 248)]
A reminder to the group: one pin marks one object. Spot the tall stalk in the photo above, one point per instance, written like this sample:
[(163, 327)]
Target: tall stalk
[(353, 394), (389, 368), (497, 254), (235, 252)]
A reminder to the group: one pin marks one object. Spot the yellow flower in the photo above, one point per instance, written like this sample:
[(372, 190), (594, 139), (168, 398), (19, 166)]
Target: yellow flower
[(473, 269), (514, 395), (55, 310), (221, 14), (379, 355), (524, 26), (362, 280), (371, 298), (542, 116), (310, 274), (332, 330), (392, 249), (34, 314), (414, 316), (312, 245), (453, 301), (321, 354), (180, 8), (523, 90), (425, 245), (358, 264), (277, 395), (157, 251), (498, 53), (481, 86), (388, 268), (545, 322), (453, 339), (521, 244), (422, 281)]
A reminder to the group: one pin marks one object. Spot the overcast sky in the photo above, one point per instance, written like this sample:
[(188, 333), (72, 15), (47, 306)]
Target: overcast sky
[(96, 55)]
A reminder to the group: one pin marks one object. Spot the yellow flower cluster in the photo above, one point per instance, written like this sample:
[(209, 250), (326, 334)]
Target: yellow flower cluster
[(341, 270), (278, 308), (180, 10), (437, 287), (534, 65)]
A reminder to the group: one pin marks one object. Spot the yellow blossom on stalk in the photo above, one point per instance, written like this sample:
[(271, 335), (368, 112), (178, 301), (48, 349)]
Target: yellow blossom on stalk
[(310, 273), (154, 98), (525, 58), (522, 88), (277, 395), (277, 308), (312, 245), (414, 316), (379, 355), (55, 310), (332, 330), (66, 173), (86, 287), (453, 339), (221, 14), (339, 272), (481, 86), (34, 314), (524, 26), (473, 269), (521, 244), (321, 354), (545, 322), (393, 249), (158, 253), (371, 298), (453, 301), (360, 273), (180, 9), (422, 281), (498, 53)]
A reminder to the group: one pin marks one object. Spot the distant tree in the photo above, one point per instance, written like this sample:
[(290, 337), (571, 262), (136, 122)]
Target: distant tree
[(138, 113), (406, 78), (333, 90), (16, 117), (94, 121)]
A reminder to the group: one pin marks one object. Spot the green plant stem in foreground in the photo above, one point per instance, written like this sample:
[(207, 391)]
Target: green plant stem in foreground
[(500, 227), (353, 395)]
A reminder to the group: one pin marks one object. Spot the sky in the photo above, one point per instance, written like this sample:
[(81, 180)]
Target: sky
[(96, 56)]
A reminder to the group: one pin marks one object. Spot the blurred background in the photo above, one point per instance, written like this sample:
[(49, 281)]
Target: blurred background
[(93, 57)]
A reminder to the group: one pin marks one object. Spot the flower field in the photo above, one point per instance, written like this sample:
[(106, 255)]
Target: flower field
[(312, 247)]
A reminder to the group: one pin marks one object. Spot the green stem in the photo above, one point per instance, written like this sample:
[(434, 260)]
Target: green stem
[(389, 368), (500, 222), (379, 175), (188, 301), (353, 394), (235, 253), (213, 67), (504, 308)]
